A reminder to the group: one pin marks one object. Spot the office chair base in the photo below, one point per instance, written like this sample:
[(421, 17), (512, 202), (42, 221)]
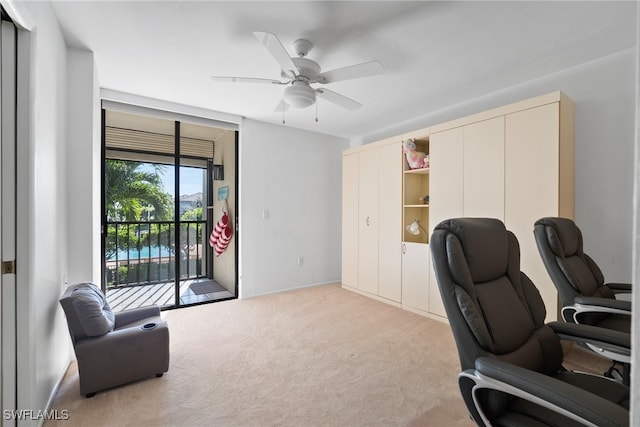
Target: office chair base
[(614, 372)]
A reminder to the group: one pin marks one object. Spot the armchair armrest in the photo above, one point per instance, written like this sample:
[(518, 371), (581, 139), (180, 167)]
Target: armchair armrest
[(607, 305), (125, 339), (590, 334), (550, 392), (612, 344), (129, 316), (619, 287)]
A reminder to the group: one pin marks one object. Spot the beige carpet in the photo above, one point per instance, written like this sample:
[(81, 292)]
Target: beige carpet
[(320, 356)]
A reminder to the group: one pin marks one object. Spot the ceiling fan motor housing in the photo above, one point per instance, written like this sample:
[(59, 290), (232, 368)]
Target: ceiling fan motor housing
[(307, 68)]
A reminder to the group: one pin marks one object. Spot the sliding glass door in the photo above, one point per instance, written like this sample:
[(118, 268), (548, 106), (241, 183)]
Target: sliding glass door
[(158, 212)]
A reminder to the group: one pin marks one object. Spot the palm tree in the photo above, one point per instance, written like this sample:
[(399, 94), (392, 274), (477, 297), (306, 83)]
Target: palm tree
[(131, 191), (134, 193)]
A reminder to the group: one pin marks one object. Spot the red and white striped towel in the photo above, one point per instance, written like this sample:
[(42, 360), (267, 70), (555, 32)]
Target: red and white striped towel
[(221, 235)]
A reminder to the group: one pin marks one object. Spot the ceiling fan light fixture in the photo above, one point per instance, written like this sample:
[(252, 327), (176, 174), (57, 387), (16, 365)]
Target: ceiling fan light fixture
[(299, 95)]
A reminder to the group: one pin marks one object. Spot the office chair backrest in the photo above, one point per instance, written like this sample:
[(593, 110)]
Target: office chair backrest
[(572, 271), (493, 308)]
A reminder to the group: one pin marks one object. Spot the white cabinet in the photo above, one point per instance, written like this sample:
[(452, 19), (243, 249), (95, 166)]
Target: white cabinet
[(389, 213), (514, 163), (538, 182), (483, 171), (372, 216), (415, 276), (447, 178), (368, 222), (417, 203)]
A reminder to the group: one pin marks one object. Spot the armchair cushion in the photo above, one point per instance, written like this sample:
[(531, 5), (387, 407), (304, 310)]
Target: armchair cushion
[(87, 310)]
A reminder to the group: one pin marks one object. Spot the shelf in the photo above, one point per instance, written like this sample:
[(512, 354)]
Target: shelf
[(423, 171), (417, 206), (416, 241)]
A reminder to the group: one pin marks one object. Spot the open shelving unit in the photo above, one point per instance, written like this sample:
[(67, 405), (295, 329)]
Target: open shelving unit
[(415, 187)]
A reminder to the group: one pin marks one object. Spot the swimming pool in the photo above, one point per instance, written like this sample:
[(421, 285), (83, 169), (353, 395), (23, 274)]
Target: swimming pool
[(145, 252)]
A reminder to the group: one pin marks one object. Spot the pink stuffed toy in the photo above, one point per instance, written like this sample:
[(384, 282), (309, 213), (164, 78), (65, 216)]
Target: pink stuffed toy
[(415, 159)]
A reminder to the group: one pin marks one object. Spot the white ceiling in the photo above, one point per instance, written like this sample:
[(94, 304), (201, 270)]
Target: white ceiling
[(436, 54)]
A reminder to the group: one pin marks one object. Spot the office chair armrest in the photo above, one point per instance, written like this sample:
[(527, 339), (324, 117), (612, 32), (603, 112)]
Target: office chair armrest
[(129, 316), (606, 342), (608, 305), (546, 391), (619, 287)]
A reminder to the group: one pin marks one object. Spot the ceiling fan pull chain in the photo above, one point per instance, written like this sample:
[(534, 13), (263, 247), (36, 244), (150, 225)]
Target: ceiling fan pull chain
[(316, 111), (283, 122)]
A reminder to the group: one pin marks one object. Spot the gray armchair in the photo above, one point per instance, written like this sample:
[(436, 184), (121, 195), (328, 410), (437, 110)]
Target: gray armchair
[(113, 348), (512, 373)]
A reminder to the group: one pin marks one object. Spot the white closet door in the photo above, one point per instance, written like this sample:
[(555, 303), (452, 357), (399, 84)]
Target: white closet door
[(415, 275), (484, 169), (368, 221), (390, 221), (532, 187), (446, 180), (446, 192)]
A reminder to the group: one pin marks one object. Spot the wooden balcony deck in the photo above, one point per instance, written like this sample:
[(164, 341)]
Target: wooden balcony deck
[(162, 294)]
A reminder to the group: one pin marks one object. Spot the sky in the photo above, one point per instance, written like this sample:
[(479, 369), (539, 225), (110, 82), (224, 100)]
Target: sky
[(190, 179)]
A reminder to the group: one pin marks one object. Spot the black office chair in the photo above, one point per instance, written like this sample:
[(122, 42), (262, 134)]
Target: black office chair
[(584, 295), (511, 360)]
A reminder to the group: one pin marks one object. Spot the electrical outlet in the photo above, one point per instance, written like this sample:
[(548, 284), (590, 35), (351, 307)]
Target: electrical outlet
[(300, 260)]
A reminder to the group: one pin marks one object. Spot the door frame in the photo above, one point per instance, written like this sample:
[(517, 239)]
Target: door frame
[(177, 119), (8, 217)]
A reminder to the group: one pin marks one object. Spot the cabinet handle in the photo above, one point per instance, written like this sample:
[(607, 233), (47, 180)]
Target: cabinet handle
[(404, 248), (367, 221)]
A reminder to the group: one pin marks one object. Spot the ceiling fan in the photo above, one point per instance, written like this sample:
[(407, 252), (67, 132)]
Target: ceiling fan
[(299, 73)]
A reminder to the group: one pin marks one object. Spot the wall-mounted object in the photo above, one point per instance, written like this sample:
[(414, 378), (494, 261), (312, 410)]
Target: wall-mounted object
[(218, 172)]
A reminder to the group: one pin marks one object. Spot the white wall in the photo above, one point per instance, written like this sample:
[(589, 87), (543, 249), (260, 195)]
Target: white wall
[(294, 177), (43, 339), (224, 153), (604, 94), (83, 173)]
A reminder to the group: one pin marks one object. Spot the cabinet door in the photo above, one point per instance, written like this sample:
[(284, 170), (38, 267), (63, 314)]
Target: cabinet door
[(415, 275), (446, 192), (532, 187), (368, 221), (389, 221), (350, 220), (446, 181), (484, 169)]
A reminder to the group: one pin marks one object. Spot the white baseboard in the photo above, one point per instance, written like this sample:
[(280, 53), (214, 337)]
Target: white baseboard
[(293, 288), (55, 389)]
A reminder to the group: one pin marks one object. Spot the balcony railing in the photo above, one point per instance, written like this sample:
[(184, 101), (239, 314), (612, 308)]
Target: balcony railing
[(144, 252)]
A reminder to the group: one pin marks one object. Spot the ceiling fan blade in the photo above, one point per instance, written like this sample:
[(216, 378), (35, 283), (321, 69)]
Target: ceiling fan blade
[(365, 69), (246, 80), (282, 106), (275, 48), (338, 99)]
